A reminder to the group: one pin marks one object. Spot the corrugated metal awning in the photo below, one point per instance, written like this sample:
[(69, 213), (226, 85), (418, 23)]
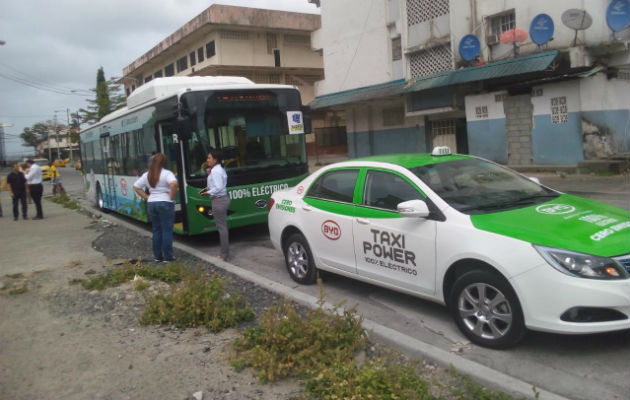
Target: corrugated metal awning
[(515, 66)]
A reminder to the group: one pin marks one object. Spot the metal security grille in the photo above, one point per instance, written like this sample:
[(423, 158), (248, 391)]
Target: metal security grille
[(430, 61), (443, 133), (272, 42), (425, 10), (237, 35)]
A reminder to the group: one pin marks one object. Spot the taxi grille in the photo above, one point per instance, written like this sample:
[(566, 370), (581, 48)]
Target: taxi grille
[(624, 261)]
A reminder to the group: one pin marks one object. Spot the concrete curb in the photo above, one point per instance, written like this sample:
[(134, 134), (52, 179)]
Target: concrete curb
[(410, 346)]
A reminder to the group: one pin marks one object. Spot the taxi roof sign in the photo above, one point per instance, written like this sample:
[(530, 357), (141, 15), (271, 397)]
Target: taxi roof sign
[(441, 151)]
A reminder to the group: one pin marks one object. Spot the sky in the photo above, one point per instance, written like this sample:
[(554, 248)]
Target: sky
[(53, 50)]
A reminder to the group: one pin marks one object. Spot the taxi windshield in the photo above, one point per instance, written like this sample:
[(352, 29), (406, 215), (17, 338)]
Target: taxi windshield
[(475, 186)]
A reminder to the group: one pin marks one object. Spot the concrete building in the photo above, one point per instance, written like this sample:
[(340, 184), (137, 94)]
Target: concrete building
[(266, 46), (58, 146), (396, 79)]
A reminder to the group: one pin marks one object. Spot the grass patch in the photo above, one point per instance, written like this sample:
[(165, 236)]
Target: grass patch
[(287, 343), (66, 201), (197, 302), (169, 273), (141, 285), (18, 290), (16, 276)]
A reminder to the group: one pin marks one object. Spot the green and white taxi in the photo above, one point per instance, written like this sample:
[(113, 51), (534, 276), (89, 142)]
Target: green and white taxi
[(503, 252)]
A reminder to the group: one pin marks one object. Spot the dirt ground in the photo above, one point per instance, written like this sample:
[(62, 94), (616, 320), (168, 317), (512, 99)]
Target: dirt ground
[(60, 341)]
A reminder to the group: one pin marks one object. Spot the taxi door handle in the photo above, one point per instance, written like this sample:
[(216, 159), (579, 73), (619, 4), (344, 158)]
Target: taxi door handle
[(363, 221), (306, 208)]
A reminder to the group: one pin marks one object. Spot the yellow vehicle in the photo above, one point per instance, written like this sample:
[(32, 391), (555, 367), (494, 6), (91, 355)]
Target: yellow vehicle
[(43, 164), (59, 163)]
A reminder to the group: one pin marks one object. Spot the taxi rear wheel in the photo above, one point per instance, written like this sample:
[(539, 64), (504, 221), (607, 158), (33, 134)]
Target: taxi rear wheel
[(486, 309), (299, 260)]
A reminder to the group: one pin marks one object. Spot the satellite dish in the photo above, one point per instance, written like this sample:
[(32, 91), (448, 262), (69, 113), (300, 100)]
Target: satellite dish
[(577, 20), (618, 15), (541, 29), (469, 47)]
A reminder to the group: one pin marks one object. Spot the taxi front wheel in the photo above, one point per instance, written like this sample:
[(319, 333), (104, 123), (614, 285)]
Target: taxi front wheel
[(487, 310), (299, 259)]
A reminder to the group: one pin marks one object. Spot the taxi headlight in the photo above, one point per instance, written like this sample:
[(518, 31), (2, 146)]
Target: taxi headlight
[(582, 265)]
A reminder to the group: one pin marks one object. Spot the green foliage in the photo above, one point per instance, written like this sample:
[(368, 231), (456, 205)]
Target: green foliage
[(36, 134), (169, 273), (18, 290), (108, 98), (141, 285), (287, 343), (377, 379), (66, 201), (468, 389), (197, 302)]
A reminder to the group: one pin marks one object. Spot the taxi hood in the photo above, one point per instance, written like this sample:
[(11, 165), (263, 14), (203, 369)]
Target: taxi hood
[(567, 222)]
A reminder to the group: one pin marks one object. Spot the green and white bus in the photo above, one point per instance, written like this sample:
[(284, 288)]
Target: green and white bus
[(259, 128)]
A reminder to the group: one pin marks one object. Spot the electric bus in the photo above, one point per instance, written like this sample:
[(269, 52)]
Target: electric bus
[(260, 129)]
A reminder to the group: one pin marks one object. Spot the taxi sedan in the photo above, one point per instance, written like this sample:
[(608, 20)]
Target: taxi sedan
[(502, 252)]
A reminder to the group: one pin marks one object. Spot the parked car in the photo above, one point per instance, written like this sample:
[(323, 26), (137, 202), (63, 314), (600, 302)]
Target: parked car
[(502, 252), (43, 164), (59, 163)]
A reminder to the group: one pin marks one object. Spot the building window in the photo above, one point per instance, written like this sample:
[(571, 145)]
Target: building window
[(419, 11), (169, 70), (148, 79), (297, 40), (193, 58), (157, 74), (200, 54), (393, 116), (276, 57), (396, 49), (210, 50), (272, 42), (235, 35), (502, 22), (182, 64)]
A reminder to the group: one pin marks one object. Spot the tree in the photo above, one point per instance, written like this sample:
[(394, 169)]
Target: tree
[(36, 134), (108, 98)]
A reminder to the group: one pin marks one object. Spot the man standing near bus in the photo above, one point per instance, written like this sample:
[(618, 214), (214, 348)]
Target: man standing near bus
[(35, 187)]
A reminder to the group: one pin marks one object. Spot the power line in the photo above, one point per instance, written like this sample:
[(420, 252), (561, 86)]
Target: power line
[(18, 75)]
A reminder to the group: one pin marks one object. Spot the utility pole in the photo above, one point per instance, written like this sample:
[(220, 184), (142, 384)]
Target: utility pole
[(49, 146), (68, 136)]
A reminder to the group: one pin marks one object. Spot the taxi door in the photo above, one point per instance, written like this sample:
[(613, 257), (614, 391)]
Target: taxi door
[(326, 216), (389, 248)]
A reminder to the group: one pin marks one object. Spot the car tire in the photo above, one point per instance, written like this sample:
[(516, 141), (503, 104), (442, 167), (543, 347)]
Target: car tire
[(299, 259), (486, 309)]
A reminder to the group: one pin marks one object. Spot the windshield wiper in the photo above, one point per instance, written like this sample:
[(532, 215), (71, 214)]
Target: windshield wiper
[(534, 198)]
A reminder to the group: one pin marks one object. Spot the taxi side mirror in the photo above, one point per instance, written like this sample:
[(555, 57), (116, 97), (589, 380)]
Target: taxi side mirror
[(413, 209)]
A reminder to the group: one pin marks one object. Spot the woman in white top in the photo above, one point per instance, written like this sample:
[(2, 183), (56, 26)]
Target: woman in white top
[(162, 186)]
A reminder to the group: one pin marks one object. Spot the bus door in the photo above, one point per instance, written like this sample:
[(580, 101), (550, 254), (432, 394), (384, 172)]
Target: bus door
[(108, 192), (172, 147)]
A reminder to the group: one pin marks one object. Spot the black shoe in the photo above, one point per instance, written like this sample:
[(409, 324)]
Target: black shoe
[(15, 218), (38, 217)]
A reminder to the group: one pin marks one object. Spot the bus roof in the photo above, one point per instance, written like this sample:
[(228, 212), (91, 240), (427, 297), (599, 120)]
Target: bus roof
[(162, 88)]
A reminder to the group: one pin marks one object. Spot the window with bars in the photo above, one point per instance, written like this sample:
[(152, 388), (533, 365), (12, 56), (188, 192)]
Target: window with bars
[(396, 49), (157, 74), (419, 11), (182, 64), (272, 42), (297, 40), (193, 58), (430, 61), (210, 50), (200, 54), (169, 70), (235, 35), (503, 22)]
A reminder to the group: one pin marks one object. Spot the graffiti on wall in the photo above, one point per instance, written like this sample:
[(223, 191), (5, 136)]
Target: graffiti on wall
[(597, 141)]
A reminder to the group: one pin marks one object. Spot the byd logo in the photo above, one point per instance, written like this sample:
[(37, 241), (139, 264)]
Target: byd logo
[(555, 209), (331, 230)]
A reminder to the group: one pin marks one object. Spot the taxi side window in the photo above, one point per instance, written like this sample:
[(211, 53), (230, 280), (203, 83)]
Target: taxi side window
[(385, 190), (335, 185)]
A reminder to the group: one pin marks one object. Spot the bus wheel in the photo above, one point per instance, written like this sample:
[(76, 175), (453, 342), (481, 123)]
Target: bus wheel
[(99, 198)]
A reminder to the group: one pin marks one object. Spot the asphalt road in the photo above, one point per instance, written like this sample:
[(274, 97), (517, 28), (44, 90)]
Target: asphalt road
[(576, 367)]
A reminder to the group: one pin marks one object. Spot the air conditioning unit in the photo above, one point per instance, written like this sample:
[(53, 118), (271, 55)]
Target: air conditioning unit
[(493, 39)]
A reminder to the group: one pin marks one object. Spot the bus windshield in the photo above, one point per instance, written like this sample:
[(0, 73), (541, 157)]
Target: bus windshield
[(251, 130)]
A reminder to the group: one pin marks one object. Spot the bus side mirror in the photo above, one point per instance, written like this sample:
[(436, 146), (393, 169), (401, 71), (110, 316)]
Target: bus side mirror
[(184, 127), (306, 116)]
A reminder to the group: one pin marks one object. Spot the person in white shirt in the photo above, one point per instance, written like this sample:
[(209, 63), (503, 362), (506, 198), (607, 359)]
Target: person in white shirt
[(217, 190), (35, 187), (162, 185)]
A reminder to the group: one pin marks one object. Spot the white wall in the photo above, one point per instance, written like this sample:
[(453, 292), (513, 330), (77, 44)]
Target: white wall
[(356, 45)]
